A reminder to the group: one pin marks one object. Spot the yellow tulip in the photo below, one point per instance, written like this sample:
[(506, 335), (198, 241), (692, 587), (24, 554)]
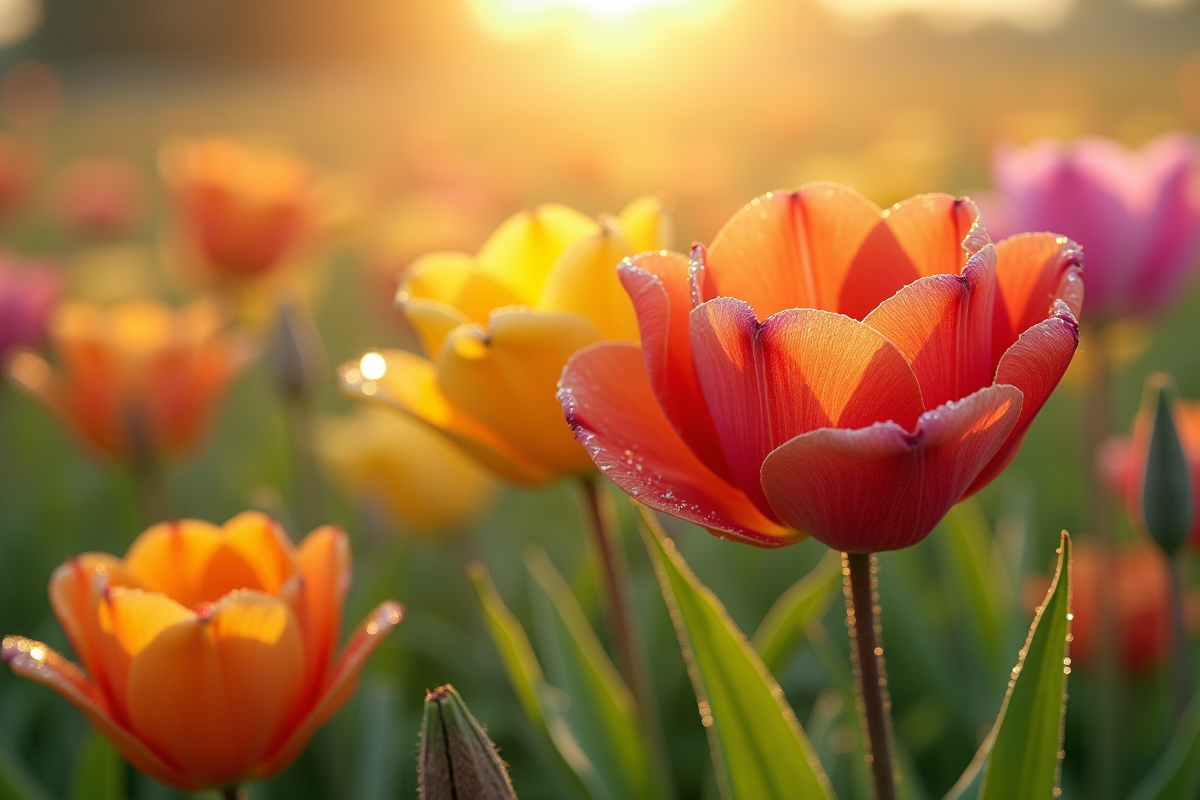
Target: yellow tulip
[(420, 479), (499, 326)]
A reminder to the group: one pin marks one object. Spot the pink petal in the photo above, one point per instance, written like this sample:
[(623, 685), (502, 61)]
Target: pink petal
[(608, 401), (802, 369), (880, 488)]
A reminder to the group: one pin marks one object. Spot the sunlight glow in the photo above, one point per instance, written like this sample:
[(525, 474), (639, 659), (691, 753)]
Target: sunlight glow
[(373, 366), (524, 18), (955, 14)]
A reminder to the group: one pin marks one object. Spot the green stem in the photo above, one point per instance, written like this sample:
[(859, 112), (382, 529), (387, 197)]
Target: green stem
[(308, 475), (1179, 639), (874, 705)]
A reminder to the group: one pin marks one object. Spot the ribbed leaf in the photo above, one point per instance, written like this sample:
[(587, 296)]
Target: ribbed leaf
[(758, 749), (1177, 773), (1020, 757), (782, 629), (601, 712), (100, 772), (525, 675)]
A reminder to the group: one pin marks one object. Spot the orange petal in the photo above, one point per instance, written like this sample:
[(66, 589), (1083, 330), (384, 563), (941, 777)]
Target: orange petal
[(943, 326), (881, 488), (790, 249), (316, 595), (608, 401), (214, 694), (195, 562), (802, 369), (1033, 272), (75, 590), (659, 286), (37, 662), (338, 686)]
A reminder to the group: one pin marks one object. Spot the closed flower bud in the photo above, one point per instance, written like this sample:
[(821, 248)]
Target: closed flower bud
[(1167, 503), (297, 356), (457, 758)]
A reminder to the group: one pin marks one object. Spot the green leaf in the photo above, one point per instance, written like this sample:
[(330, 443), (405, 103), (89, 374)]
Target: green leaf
[(525, 675), (1020, 757), (1167, 502), (15, 782), (759, 750), (601, 713), (782, 629), (377, 766), (978, 578), (1177, 773), (100, 772)]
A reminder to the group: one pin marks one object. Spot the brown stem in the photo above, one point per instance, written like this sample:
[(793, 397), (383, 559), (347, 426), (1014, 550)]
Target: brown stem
[(1097, 428), (603, 529), (234, 793), (1180, 641), (859, 569)]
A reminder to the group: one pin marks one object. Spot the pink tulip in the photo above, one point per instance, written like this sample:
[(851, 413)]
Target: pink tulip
[(28, 291), (1136, 213)]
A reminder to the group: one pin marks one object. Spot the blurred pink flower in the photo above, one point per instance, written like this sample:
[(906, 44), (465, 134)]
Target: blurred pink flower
[(1136, 213), (28, 291), (99, 196)]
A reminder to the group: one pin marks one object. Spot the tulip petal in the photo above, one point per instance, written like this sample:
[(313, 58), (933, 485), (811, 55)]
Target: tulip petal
[(75, 590), (37, 662), (881, 488), (1033, 272), (943, 326), (214, 693), (409, 383), (791, 249), (1172, 163), (1034, 365), (195, 562), (430, 320), (338, 686), (609, 402), (316, 596), (520, 253), (506, 376), (584, 281), (803, 369), (646, 223), (659, 285)]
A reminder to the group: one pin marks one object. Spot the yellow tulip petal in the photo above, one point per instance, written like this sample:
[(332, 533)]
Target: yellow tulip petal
[(584, 281), (520, 253), (420, 478), (409, 383), (507, 377), (431, 320), (646, 223), (215, 694)]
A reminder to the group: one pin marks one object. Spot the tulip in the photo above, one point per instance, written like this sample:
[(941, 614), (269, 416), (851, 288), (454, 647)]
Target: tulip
[(244, 209), (384, 457), (28, 292), (829, 368), (16, 173), (498, 327), (138, 380), (457, 758), (207, 653), (99, 196), (1137, 213)]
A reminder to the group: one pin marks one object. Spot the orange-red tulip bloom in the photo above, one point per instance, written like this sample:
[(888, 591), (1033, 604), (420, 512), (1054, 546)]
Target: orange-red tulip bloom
[(207, 652), (138, 379), (829, 368), (244, 209)]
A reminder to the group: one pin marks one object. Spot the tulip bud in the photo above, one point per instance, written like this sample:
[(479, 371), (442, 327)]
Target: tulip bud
[(457, 758), (1167, 504), (296, 357)]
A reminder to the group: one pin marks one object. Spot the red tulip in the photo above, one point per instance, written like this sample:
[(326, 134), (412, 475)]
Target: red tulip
[(827, 368)]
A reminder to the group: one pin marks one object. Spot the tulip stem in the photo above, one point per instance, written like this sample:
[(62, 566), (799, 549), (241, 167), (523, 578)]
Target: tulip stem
[(234, 793), (1179, 637), (149, 489), (874, 704), (606, 536), (308, 476), (1097, 428)]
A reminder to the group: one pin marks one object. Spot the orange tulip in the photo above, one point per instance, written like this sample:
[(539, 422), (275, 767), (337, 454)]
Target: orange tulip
[(829, 368), (244, 209), (139, 378), (207, 652)]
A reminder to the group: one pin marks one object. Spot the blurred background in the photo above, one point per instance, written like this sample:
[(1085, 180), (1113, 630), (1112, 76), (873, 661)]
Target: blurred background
[(432, 122)]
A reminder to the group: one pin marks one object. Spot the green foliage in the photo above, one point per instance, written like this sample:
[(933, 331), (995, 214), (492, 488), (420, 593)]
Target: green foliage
[(15, 782), (100, 773), (783, 628), (1177, 774), (1020, 757), (759, 750)]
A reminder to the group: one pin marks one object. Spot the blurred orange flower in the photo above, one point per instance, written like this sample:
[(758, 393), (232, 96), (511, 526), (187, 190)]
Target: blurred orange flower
[(497, 328), (138, 379), (1122, 459), (98, 196), (207, 652), (16, 172), (244, 210)]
